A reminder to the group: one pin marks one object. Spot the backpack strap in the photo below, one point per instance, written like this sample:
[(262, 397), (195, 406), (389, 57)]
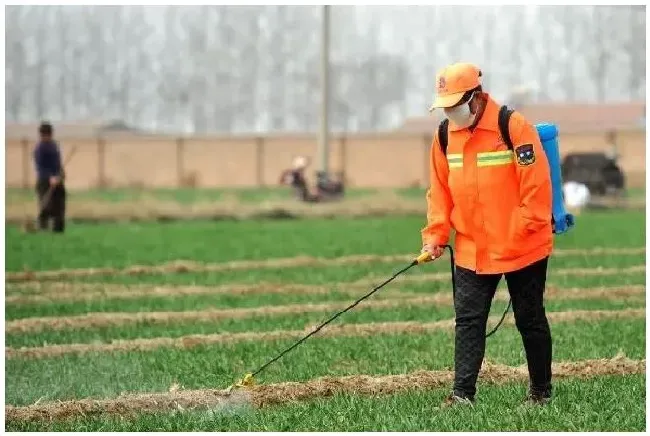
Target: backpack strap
[(504, 123), (442, 135)]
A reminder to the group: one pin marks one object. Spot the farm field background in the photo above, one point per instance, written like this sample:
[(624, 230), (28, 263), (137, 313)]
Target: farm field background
[(146, 205), (138, 326)]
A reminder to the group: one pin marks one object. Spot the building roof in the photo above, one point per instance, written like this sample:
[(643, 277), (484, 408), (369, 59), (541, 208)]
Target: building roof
[(569, 117)]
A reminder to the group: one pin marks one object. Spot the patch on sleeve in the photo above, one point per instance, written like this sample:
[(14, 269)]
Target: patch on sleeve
[(525, 154)]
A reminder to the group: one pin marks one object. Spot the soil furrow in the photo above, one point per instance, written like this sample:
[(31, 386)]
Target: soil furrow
[(185, 266), (288, 392), (104, 319), (67, 291), (340, 330), (70, 292)]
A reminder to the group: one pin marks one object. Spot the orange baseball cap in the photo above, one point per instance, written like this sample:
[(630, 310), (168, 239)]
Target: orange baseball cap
[(453, 81)]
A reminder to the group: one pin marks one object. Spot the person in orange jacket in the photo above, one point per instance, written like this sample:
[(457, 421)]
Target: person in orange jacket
[(498, 202)]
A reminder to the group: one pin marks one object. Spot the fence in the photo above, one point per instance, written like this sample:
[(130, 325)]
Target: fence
[(367, 160)]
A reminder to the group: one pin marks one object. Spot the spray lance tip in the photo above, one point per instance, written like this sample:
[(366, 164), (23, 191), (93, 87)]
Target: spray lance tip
[(245, 382)]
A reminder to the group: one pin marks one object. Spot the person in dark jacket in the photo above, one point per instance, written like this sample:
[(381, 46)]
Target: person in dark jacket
[(50, 188)]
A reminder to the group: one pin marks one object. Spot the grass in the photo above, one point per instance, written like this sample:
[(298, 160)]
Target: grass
[(297, 321), (215, 296), (189, 195), (608, 404), (79, 376), (224, 300), (320, 277), (612, 403), (119, 245)]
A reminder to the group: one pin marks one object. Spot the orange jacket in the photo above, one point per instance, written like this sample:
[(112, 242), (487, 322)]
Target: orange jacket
[(499, 206)]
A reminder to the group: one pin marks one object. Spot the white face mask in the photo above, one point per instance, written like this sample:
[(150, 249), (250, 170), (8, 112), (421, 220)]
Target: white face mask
[(461, 115)]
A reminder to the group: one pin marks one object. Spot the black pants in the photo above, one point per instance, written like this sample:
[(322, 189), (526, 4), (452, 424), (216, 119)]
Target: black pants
[(51, 205), (474, 294)]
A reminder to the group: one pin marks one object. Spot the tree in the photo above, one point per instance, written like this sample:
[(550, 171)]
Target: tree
[(568, 19), (247, 68), (375, 84), (16, 62), (635, 47), (257, 68), (599, 60)]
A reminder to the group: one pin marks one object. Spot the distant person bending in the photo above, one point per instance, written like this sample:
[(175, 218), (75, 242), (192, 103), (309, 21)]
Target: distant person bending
[(295, 177), (49, 184)]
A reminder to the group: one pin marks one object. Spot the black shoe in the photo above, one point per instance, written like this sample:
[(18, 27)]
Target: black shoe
[(538, 398)]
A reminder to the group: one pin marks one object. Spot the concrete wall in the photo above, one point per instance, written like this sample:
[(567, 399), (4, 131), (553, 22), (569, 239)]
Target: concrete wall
[(369, 160)]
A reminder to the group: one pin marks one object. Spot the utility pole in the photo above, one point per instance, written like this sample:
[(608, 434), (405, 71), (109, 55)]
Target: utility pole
[(323, 140)]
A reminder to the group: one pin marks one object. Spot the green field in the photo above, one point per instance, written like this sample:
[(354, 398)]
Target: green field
[(100, 336), (190, 195)]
